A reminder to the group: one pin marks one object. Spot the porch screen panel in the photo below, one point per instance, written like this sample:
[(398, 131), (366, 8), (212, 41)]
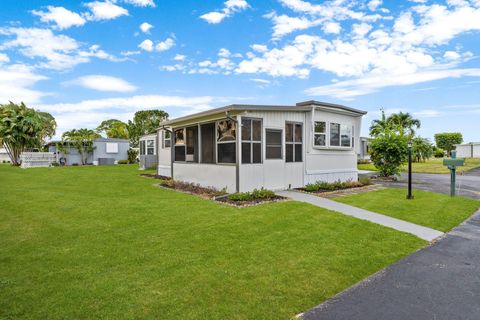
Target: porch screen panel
[(226, 145), (293, 142), (192, 144), (208, 142), (180, 145)]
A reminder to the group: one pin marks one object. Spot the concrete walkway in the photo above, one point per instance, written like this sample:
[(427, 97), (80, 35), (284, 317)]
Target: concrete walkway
[(440, 282), (397, 224)]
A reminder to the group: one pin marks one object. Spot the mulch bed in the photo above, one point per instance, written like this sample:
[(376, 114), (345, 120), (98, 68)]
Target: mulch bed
[(341, 192), (155, 176), (384, 179), (250, 203)]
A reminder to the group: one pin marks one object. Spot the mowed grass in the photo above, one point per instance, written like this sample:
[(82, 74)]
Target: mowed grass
[(434, 210), (430, 166), (104, 243)]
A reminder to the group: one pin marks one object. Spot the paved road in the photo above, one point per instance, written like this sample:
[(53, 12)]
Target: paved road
[(468, 184), (439, 282)]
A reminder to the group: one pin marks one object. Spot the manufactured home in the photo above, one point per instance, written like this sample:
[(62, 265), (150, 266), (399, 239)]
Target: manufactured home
[(241, 147), (468, 150), (106, 151), (147, 155)]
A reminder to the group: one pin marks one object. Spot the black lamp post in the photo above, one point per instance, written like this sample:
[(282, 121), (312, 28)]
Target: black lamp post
[(410, 195)]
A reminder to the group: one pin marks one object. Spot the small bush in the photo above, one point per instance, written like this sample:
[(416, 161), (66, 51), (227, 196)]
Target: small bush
[(256, 194), (55, 164), (122, 162), (74, 164), (337, 185), (132, 155), (439, 153), (365, 181)]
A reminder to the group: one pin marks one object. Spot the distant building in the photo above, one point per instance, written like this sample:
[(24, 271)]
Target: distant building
[(468, 150), (148, 151), (107, 151), (364, 149), (4, 155)]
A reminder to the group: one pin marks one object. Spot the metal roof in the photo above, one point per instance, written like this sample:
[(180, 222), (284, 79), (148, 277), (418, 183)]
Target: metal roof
[(299, 107)]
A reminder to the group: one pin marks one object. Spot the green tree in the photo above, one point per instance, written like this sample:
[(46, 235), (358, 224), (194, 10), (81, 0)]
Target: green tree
[(379, 125), (113, 128), (389, 150), (145, 122), (405, 121), (422, 149), (23, 128), (82, 140), (447, 140)]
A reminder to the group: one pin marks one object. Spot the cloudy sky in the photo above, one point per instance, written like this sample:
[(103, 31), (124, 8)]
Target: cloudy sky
[(86, 61)]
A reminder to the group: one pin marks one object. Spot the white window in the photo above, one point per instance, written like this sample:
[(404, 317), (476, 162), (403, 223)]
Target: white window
[(150, 147), (335, 134), (167, 139), (251, 140), (320, 133), (345, 136), (293, 142), (340, 135), (273, 147), (111, 147)]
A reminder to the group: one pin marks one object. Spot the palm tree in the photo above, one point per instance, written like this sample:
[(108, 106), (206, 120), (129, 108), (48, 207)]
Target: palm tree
[(22, 128), (405, 121), (82, 140), (378, 126)]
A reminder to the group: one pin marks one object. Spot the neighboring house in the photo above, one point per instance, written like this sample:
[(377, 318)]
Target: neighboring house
[(148, 151), (107, 151), (242, 147), (4, 155), (363, 148), (468, 150)]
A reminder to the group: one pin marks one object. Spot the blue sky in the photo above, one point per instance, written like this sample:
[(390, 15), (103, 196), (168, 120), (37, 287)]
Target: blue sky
[(87, 61)]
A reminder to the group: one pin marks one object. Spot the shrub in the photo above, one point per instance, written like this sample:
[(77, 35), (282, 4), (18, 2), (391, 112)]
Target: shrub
[(122, 162), (439, 153), (132, 155), (55, 164), (447, 140), (256, 194), (74, 164), (365, 181), (388, 152), (337, 185), (422, 149)]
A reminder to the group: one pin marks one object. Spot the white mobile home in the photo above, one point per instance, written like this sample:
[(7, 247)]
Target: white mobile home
[(148, 157), (468, 150), (242, 147)]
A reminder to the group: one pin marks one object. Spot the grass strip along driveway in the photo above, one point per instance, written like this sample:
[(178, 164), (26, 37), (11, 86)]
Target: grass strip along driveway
[(434, 210), (430, 166), (102, 242)]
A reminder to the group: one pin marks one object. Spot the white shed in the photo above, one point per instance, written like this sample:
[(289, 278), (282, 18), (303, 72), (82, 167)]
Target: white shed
[(242, 147), (468, 150)]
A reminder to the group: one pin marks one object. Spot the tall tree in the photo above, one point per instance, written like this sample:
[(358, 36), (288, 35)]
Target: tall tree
[(405, 121), (23, 128), (113, 128), (379, 125), (82, 140), (145, 122), (447, 140)]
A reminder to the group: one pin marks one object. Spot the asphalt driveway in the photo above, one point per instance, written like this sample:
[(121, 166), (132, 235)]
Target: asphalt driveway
[(468, 184), (439, 282)]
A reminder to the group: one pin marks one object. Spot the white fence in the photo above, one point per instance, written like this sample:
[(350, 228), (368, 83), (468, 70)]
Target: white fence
[(37, 159)]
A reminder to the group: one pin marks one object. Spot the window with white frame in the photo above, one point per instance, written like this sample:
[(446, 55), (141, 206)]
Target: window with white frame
[(150, 147), (226, 141), (320, 133), (251, 141), (273, 144), (293, 142), (345, 135), (111, 147), (167, 139), (335, 134)]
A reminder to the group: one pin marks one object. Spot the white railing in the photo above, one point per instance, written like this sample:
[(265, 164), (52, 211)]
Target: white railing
[(37, 159)]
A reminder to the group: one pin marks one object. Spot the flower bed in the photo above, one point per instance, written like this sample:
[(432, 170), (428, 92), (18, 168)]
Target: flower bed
[(244, 199), (321, 186), (155, 176)]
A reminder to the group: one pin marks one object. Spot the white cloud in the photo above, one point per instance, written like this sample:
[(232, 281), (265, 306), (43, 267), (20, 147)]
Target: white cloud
[(141, 3), (351, 88), (62, 17), (145, 27), (60, 52), (261, 81), (230, 7), (451, 55), (4, 58), (225, 53), (259, 47), (165, 45), (374, 4), (146, 45), (179, 57), (103, 83), (332, 27), (427, 113), (104, 10), (16, 82)]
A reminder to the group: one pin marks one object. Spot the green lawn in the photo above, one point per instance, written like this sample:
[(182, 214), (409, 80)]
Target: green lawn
[(104, 243), (434, 210), (430, 166)]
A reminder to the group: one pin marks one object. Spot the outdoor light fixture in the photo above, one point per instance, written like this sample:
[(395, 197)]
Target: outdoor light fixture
[(410, 195)]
